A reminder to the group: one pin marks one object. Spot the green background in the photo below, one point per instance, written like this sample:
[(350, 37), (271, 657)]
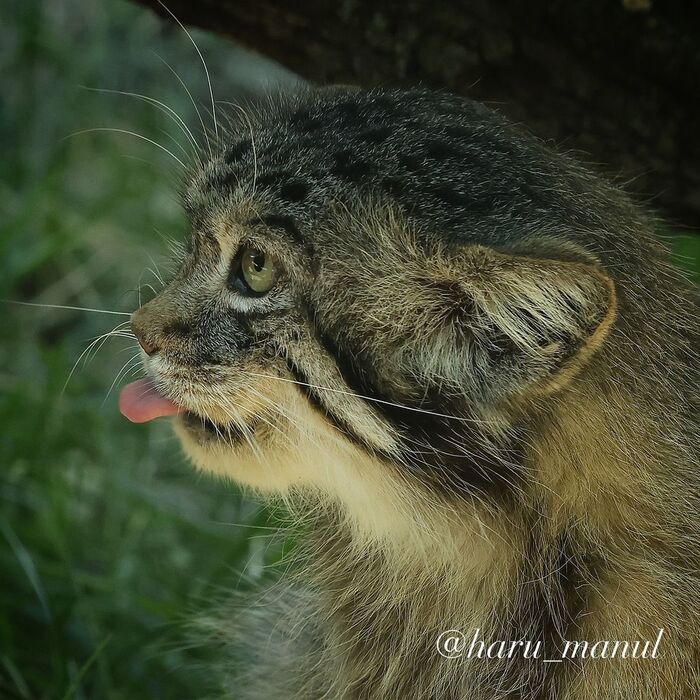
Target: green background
[(109, 543)]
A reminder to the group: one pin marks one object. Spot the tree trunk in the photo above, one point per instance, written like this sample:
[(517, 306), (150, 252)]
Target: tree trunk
[(617, 82)]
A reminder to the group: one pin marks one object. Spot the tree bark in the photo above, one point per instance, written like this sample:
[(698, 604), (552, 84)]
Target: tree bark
[(616, 81)]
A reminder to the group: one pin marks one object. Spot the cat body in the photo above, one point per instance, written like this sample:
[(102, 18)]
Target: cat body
[(466, 366)]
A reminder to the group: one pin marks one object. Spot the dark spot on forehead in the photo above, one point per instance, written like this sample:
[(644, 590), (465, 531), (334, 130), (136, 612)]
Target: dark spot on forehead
[(343, 157), (377, 134), (451, 196), (287, 224), (441, 150), (477, 202), (294, 190), (394, 186), (347, 111), (411, 162), (281, 221), (290, 187), (237, 151), (459, 131), (349, 168), (273, 178), (301, 115), (303, 120), (228, 180)]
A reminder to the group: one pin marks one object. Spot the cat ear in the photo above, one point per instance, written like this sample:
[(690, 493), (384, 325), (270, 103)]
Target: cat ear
[(512, 324)]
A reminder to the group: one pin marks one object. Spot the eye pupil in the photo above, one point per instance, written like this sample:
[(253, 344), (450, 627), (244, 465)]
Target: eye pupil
[(253, 273)]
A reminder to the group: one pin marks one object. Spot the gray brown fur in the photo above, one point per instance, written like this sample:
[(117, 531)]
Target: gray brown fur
[(524, 459)]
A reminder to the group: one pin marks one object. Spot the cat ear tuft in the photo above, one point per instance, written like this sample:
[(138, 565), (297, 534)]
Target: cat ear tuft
[(517, 324)]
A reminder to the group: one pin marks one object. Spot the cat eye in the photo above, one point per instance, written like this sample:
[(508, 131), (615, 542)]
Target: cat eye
[(253, 272)]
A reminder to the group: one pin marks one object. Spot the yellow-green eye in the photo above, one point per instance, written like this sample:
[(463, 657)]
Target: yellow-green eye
[(253, 272)]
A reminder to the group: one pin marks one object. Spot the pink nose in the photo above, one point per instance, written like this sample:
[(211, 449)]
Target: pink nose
[(148, 347)]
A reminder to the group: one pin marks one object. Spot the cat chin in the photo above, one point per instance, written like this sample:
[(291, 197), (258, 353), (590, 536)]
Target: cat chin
[(377, 504), (225, 452)]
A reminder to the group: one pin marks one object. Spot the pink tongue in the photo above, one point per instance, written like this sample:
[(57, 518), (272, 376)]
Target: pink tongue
[(140, 402)]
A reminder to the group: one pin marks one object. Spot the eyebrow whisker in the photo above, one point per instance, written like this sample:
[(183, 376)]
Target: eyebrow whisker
[(201, 58), (130, 133), (192, 100), (157, 103)]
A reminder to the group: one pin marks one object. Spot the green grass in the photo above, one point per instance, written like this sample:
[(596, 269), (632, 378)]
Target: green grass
[(109, 542)]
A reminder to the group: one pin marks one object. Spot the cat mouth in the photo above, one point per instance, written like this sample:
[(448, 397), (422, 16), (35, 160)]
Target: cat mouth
[(206, 430), (141, 401)]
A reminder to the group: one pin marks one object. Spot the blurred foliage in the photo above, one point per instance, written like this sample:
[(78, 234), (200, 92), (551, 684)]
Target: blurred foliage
[(109, 542)]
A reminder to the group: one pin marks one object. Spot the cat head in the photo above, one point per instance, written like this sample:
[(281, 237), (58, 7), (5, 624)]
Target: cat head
[(378, 284)]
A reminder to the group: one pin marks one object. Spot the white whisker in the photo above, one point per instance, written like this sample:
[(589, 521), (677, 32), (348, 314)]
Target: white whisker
[(157, 103), (130, 133), (175, 142), (270, 422), (366, 398), (86, 352), (201, 58), (62, 306), (189, 94), (128, 365), (154, 270), (295, 423), (148, 286), (112, 334)]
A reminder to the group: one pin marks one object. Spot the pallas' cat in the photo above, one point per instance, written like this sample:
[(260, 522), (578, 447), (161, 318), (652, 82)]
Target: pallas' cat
[(467, 367)]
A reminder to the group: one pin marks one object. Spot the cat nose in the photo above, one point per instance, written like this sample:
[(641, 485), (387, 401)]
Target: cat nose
[(147, 346)]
